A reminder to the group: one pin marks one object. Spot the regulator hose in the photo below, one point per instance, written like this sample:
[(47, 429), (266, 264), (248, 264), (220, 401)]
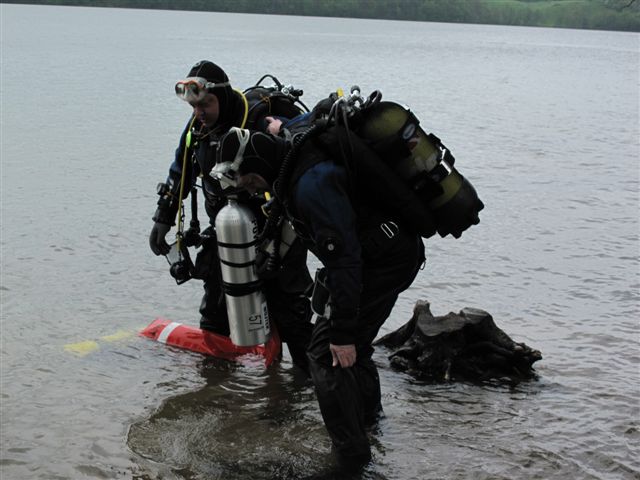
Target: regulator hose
[(276, 212)]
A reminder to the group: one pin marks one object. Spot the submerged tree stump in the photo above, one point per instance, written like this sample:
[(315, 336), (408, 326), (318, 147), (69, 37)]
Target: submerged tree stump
[(463, 346)]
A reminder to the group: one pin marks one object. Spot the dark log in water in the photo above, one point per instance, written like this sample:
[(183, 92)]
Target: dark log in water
[(463, 346)]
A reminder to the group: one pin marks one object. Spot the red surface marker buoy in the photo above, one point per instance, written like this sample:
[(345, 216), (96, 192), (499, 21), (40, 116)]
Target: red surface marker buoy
[(202, 341)]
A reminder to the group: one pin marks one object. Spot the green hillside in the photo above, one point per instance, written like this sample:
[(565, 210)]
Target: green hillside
[(587, 14)]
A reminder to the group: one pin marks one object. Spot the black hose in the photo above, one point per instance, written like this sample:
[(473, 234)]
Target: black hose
[(306, 109), (268, 75), (276, 213), (339, 113), (194, 207)]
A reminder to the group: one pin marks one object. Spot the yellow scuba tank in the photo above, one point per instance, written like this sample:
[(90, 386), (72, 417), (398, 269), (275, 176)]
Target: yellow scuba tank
[(424, 163)]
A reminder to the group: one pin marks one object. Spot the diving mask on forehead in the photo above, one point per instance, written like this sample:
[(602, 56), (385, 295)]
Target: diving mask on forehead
[(194, 89), (226, 168)]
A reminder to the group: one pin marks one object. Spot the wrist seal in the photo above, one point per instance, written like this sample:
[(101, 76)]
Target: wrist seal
[(167, 205), (163, 216)]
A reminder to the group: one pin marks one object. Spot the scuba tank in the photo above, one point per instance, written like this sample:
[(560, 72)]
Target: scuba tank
[(236, 230), (274, 248), (423, 162), (276, 100)]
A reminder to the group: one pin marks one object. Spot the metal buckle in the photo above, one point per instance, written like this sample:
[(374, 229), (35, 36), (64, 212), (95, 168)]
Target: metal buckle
[(390, 229)]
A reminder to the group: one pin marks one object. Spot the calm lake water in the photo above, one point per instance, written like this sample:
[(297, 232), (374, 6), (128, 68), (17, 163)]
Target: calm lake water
[(543, 122)]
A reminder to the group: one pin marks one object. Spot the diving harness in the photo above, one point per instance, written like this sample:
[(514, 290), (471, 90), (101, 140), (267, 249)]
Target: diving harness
[(241, 256), (259, 101), (426, 190)]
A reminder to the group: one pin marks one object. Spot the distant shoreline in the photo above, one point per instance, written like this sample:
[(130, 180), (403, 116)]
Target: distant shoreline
[(617, 15)]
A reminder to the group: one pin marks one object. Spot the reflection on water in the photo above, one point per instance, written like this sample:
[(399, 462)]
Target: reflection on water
[(543, 122), (243, 423)]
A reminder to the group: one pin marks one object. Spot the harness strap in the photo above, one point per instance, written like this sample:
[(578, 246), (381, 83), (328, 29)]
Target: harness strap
[(241, 289), (187, 144)]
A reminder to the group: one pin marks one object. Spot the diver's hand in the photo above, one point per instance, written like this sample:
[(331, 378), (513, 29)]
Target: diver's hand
[(157, 241), (273, 125), (343, 355)]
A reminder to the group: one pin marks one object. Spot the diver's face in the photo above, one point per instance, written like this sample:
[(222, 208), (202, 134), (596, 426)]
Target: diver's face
[(253, 183), (207, 110)]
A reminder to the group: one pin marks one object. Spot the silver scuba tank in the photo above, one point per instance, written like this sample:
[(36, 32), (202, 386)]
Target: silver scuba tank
[(287, 237), (236, 230)]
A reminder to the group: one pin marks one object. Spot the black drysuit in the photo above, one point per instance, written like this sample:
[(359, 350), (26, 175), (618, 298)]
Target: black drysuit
[(370, 256), (288, 306)]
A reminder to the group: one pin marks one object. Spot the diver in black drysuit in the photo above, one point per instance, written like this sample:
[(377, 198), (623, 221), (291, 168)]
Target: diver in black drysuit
[(370, 255), (285, 293)]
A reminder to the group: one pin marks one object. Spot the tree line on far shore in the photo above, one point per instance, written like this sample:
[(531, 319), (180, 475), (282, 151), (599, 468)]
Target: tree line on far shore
[(587, 14)]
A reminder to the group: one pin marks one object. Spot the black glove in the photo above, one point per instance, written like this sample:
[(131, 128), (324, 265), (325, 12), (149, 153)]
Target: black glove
[(157, 241)]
